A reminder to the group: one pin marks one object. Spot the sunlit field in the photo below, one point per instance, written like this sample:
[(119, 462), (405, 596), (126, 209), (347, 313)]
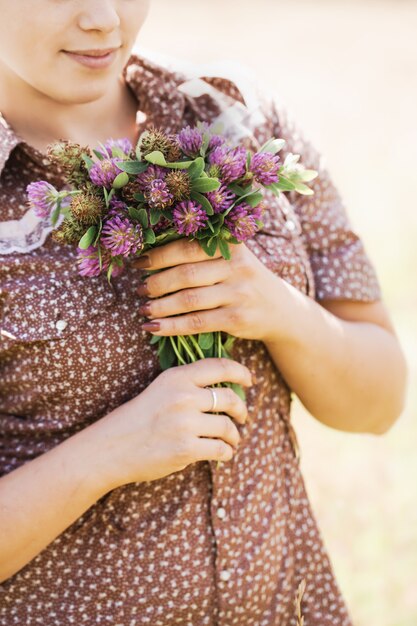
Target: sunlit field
[(347, 70)]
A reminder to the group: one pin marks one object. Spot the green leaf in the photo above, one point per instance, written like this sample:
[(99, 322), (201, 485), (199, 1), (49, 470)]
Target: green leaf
[(203, 244), (88, 238), (303, 189), (224, 249), (99, 155), (228, 344), (307, 175), (284, 184), (205, 144), (156, 158), (205, 340), (55, 213), (143, 218), (196, 168), (100, 226), (100, 258), (166, 356), (88, 161), (121, 180), (254, 199), (109, 272), (155, 216), (205, 202), (132, 167), (156, 339), (238, 390), (167, 214), (212, 246), (149, 236), (117, 153), (136, 215), (207, 245), (273, 145), (237, 189), (204, 185), (139, 197)]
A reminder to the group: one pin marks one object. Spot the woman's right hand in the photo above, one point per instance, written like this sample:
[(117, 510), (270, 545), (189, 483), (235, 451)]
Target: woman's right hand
[(167, 426)]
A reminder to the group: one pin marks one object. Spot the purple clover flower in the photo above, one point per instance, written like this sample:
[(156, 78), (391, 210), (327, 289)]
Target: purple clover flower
[(258, 211), (221, 199), (88, 262), (158, 195), (241, 222), (189, 217), (264, 167), (42, 197), (124, 144), (121, 237), (153, 172), (216, 141), (231, 161), (104, 172), (117, 207), (190, 141)]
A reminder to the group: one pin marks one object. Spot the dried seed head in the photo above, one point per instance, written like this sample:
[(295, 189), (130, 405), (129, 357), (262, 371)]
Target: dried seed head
[(179, 184), (69, 232), (155, 139), (87, 207)]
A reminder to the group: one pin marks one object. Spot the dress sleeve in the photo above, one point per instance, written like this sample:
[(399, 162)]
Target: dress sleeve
[(341, 266)]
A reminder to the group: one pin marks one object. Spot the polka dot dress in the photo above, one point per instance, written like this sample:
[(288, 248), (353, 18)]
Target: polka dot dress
[(204, 546)]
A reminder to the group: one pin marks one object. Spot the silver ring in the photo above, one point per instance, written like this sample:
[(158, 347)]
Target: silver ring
[(213, 393)]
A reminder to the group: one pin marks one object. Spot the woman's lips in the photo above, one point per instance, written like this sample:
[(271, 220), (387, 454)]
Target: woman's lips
[(94, 59)]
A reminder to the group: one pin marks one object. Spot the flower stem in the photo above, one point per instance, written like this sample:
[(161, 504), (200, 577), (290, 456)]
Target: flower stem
[(196, 346), (175, 348), (187, 348)]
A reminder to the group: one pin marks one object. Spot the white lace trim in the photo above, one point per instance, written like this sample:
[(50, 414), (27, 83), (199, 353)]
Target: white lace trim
[(24, 235)]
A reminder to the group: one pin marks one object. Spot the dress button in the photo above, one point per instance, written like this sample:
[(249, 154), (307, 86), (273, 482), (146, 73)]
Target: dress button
[(61, 325), (221, 512), (290, 224), (225, 575)]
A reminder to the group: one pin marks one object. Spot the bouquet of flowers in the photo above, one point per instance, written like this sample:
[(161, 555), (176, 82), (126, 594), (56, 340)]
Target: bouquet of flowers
[(194, 184)]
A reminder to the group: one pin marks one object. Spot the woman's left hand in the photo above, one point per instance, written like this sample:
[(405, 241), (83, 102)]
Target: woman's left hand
[(196, 293)]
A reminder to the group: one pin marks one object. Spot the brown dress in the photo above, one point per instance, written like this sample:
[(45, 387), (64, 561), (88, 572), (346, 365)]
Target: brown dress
[(202, 546)]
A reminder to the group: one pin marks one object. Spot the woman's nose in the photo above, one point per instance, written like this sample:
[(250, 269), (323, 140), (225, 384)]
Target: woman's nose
[(100, 15)]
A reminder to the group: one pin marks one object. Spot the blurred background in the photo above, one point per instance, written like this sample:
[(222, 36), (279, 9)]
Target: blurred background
[(348, 71)]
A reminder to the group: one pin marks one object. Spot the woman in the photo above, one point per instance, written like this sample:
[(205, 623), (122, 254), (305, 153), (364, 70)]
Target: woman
[(113, 509)]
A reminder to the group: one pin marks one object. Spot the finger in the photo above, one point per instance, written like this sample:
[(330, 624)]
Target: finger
[(173, 253), (216, 370), (191, 323), (217, 426), (227, 401), (185, 276), (213, 449), (187, 300)]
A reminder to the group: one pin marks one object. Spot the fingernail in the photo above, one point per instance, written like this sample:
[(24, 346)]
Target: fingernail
[(143, 290), (151, 326), (142, 262), (145, 309)]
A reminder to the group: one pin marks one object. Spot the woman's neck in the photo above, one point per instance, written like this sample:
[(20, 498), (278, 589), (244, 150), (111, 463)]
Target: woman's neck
[(39, 121)]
